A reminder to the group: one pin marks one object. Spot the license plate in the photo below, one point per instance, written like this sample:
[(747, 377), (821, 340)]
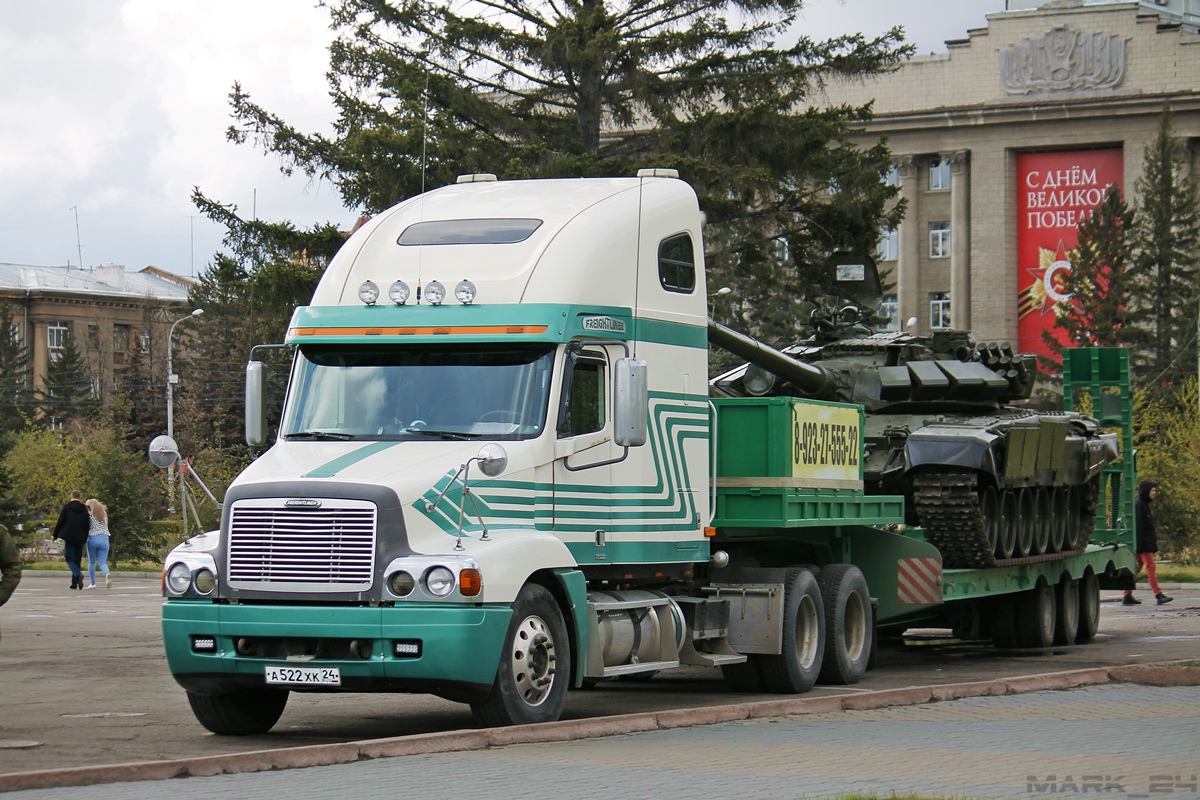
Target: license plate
[(304, 676)]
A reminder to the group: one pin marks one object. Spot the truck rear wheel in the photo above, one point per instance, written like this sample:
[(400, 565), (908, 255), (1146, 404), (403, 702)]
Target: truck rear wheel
[(798, 665), (1036, 616), (535, 665), (1066, 600), (245, 713), (1089, 607), (848, 626)]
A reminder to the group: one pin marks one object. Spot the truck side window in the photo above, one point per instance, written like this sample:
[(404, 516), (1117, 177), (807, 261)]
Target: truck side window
[(677, 264), (585, 404)]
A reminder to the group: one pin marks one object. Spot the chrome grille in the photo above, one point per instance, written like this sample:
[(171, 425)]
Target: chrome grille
[(329, 549)]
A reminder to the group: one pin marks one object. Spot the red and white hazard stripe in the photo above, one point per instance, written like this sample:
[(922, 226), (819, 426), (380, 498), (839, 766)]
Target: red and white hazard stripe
[(919, 581)]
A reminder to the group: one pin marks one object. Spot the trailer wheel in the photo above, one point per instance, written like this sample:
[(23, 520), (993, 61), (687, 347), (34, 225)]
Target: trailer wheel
[(798, 665), (1066, 600), (243, 713), (848, 626), (1035, 616), (535, 665), (746, 677), (1089, 607)]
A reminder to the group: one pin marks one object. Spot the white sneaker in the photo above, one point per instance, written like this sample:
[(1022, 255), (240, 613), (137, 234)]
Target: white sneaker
[(90, 586), (107, 580)]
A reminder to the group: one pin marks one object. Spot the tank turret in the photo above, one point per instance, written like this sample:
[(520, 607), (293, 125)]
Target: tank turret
[(990, 482)]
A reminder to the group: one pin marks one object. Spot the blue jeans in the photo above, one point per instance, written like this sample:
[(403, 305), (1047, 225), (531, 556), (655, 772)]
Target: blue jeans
[(97, 547), (73, 554)]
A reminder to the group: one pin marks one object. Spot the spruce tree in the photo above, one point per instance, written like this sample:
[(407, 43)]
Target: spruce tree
[(1098, 281), (16, 391), (427, 90), (68, 391), (1167, 242)]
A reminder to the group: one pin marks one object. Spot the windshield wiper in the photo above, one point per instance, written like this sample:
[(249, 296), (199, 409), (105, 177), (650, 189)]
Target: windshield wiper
[(460, 435), (341, 437)]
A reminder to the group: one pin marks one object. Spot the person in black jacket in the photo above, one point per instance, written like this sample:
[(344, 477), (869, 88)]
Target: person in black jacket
[(1147, 543), (72, 528)]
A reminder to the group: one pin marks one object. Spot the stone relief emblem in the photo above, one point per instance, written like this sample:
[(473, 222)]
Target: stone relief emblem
[(1063, 60)]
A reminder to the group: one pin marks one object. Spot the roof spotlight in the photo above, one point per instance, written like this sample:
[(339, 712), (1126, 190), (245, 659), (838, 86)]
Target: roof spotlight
[(398, 293), (435, 293), (464, 292), (368, 292)]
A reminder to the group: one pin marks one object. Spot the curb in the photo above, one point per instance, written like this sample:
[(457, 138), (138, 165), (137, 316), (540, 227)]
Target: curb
[(568, 730)]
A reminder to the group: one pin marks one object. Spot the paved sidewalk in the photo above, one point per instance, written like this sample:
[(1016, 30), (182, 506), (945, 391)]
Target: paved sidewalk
[(1116, 741)]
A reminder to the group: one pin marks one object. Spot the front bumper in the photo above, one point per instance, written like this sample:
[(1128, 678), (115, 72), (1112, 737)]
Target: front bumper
[(459, 646)]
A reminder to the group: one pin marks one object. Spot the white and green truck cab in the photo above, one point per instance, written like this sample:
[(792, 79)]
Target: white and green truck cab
[(494, 480)]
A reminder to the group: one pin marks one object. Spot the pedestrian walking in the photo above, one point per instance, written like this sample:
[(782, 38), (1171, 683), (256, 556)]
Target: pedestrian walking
[(10, 565), (97, 542), (1147, 544), (72, 527)]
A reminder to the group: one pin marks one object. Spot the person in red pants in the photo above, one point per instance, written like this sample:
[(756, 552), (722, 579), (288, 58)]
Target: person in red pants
[(1147, 544)]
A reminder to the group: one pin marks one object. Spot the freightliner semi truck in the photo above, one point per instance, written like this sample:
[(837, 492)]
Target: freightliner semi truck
[(500, 473)]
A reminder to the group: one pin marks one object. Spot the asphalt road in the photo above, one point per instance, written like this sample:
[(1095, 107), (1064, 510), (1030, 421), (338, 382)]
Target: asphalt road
[(83, 680)]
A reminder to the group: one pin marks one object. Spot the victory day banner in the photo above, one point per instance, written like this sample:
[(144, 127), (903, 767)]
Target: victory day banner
[(1054, 192)]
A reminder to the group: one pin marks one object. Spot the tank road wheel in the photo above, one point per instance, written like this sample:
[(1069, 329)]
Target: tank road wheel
[(1025, 522), (1061, 516), (746, 678), (1066, 602), (248, 712), (848, 626), (1043, 522), (993, 518), (798, 665), (1074, 512), (1010, 526), (1036, 616), (535, 665), (1089, 607)]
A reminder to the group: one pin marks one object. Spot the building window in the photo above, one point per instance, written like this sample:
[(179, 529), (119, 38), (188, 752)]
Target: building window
[(889, 244), (93, 337), (677, 264), (939, 309), (56, 338), (889, 311), (939, 239), (14, 333), (893, 176), (939, 174), (144, 342), (120, 338)]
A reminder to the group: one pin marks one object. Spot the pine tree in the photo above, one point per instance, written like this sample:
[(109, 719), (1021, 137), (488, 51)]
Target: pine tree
[(427, 90), (68, 391), (16, 392), (1098, 281), (1167, 242)]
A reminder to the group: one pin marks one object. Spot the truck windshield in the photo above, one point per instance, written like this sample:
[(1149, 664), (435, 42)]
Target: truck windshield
[(418, 392)]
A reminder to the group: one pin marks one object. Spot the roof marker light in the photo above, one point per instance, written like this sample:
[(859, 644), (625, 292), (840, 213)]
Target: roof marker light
[(399, 293), (368, 293), (464, 292)]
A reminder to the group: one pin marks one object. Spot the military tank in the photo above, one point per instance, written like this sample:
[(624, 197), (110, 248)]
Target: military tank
[(991, 483)]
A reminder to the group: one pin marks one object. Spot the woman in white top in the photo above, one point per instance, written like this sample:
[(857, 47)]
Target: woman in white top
[(97, 543)]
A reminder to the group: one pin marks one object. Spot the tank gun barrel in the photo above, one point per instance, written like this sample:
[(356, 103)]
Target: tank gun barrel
[(810, 379)]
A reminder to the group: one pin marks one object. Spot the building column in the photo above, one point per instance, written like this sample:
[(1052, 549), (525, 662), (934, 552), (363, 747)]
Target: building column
[(908, 262), (960, 239)]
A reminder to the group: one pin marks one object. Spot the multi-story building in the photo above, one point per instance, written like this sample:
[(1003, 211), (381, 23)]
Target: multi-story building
[(110, 314), (1006, 139)]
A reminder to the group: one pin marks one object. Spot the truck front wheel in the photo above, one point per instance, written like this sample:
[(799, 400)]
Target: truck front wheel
[(245, 713), (535, 665)]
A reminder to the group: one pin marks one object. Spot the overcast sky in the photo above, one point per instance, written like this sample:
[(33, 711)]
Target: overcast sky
[(112, 110)]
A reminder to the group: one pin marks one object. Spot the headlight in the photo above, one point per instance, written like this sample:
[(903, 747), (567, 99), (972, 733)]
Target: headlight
[(464, 292), (439, 581), (179, 578), (398, 293), (401, 583), (435, 293), (205, 581)]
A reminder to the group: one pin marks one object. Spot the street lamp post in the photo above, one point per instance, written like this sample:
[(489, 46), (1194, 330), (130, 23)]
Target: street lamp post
[(173, 379)]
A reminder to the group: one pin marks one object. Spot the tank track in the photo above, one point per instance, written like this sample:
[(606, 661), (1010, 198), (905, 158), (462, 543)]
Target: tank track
[(949, 509)]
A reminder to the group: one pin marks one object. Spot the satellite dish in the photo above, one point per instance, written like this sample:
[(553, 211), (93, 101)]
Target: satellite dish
[(163, 451)]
